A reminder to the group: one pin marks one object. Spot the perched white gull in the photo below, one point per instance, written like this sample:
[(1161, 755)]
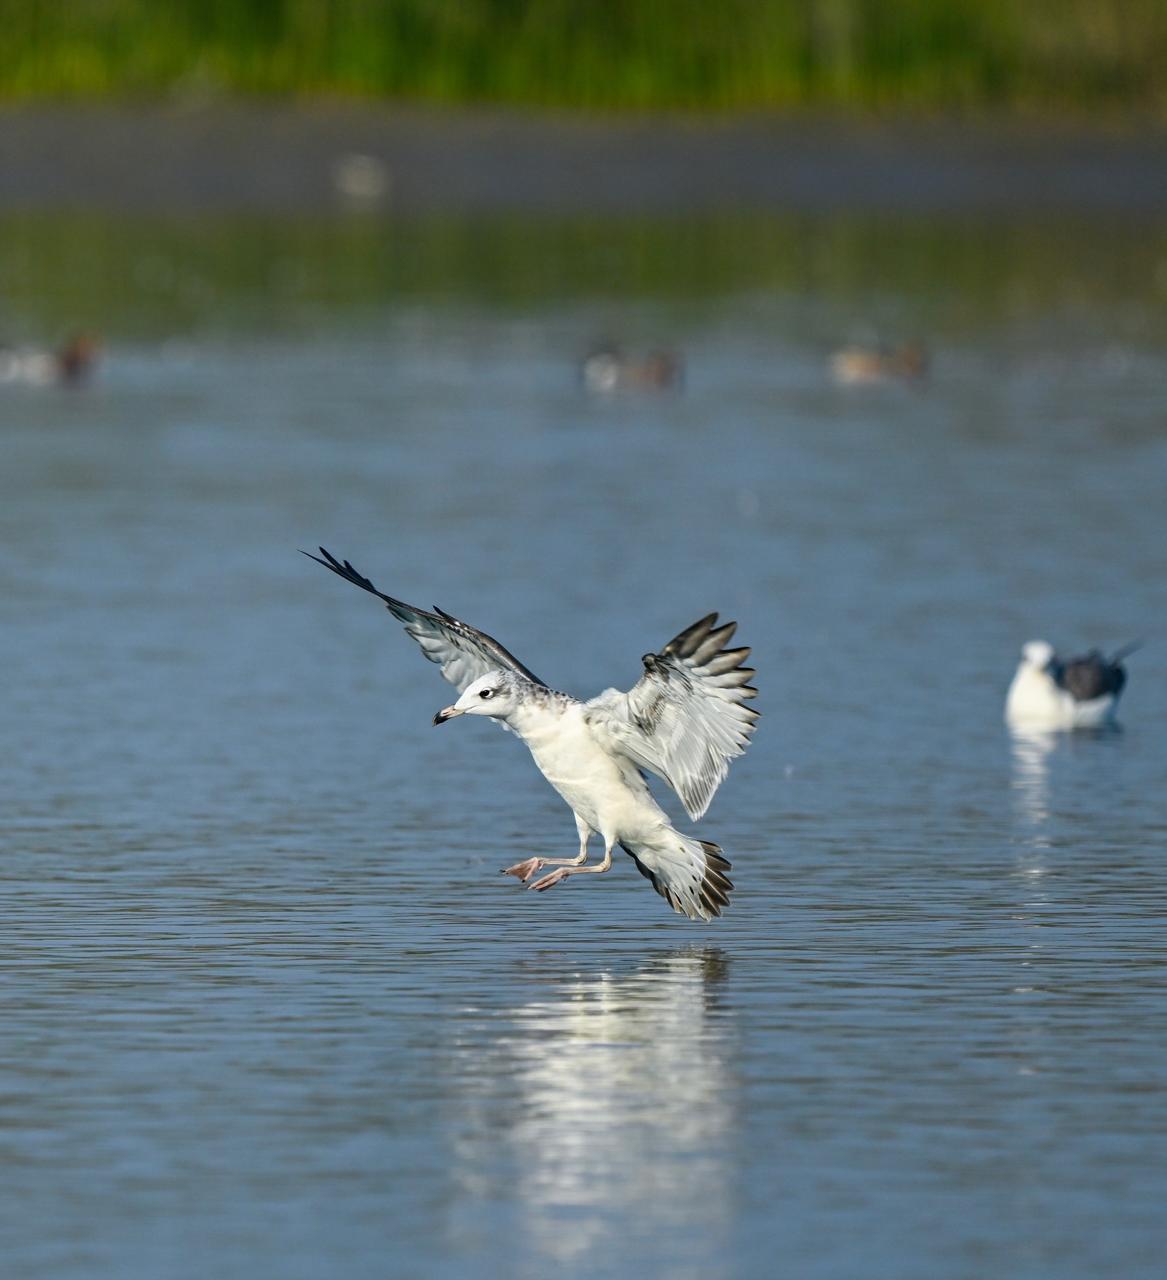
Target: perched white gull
[(685, 719), (1078, 693)]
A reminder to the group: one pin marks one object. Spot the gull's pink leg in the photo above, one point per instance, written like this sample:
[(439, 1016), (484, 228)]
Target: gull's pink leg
[(527, 868), (554, 878)]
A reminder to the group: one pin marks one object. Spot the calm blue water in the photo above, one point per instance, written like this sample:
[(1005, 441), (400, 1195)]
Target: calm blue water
[(269, 1008)]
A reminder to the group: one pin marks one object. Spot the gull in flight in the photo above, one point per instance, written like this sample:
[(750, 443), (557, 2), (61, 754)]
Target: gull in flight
[(685, 719), (1050, 693)]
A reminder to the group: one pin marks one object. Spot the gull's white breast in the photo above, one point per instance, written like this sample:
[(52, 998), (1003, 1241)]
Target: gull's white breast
[(1036, 701), (606, 790)]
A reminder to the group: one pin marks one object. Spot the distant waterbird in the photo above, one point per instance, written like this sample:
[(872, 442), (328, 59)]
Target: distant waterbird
[(685, 719), (608, 369), (361, 179), (1052, 693), (856, 366), (68, 365)]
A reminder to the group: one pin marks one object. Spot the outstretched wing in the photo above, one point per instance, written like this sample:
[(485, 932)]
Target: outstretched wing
[(463, 652), (686, 718)]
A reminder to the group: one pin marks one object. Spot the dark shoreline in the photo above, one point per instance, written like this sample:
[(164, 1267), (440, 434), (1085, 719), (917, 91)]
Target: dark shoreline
[(279, 159)]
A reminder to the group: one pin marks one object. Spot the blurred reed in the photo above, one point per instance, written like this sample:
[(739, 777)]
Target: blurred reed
[(600, 54), (149, 279)]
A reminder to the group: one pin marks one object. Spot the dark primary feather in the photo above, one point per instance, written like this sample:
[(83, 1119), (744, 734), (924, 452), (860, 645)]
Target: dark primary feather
[(463, 652), (1090, 676)]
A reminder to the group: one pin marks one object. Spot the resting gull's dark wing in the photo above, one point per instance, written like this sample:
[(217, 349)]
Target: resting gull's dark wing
[(463, 652), (1090, 676)]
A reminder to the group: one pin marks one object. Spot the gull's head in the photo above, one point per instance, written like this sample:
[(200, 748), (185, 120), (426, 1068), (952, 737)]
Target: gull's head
[(493, 694), (1037, 654)]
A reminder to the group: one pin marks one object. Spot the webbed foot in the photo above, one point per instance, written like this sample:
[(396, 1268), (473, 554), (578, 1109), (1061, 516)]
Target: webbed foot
[(525, 869), (549, 881)]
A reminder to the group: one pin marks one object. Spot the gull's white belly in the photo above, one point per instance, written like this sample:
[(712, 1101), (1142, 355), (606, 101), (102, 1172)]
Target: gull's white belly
[(1035, 701), (606, 791), (1034, 698)]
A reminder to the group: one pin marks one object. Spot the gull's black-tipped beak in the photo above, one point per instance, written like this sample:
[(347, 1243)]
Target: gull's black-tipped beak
[(446, 713)]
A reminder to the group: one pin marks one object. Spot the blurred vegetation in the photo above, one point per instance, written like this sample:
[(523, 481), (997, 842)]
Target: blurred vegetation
[(600, 54), (152, 279)]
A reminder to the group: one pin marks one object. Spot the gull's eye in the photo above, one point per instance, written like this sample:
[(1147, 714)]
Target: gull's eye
[(487, 693)]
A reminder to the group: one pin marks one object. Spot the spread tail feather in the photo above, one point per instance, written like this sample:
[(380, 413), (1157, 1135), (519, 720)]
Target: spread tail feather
[(689, 874)]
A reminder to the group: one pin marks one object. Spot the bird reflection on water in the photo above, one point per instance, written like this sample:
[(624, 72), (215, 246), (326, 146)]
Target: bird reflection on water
[(615, 1107), (1031, 752), (1031, 794)]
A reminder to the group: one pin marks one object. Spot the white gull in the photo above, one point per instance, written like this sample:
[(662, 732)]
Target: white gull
[(1052, 693), (685, 719)]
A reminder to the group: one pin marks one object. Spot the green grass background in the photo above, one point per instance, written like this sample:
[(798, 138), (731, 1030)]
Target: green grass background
[(1107, 56)]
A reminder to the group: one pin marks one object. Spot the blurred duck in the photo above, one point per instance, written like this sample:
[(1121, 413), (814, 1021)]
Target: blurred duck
[(608, 369), (854, 366), (70, 365), (1051, 693)]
